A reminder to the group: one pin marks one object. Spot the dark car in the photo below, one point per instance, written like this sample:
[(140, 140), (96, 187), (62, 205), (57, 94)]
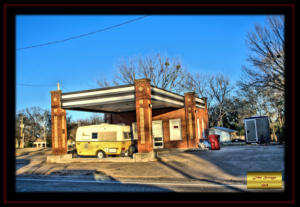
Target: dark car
[(238, 140)]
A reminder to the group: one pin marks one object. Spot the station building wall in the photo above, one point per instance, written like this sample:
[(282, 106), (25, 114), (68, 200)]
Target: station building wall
[(166, 115)]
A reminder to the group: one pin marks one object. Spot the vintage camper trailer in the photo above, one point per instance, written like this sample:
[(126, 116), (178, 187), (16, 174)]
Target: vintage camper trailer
[(257, 129), (105, 139)]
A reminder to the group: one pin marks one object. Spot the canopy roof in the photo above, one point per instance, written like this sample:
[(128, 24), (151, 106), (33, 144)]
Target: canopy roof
[(120, 99)]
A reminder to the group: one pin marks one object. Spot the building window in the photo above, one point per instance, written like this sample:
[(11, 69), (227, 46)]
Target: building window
[(175, 129), (94, 135)]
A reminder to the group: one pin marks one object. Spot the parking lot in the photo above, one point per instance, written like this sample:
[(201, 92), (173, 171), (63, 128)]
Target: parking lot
[(228, 166)]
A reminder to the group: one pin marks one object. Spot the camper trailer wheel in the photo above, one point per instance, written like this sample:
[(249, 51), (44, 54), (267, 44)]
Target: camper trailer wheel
[(100, 154)]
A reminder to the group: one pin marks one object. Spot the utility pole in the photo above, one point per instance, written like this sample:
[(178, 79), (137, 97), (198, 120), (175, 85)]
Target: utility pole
[(45, 135), (22, 133)]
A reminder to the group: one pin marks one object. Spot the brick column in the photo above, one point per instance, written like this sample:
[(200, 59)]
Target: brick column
[(190, 117), (206, 117), (58, 125), (143, 114)]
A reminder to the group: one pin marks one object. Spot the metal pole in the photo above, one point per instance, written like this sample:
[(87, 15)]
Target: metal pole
[(21, 145), (45, 135)]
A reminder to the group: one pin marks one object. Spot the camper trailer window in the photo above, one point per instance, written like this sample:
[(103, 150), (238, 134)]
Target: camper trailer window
[(108, 136), (94, 135), (127, 135)]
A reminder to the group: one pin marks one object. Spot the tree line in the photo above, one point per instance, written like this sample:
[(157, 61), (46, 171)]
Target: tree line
[(37, 125)]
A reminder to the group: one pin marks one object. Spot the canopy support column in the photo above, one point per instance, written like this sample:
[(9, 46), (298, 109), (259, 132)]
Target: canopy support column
[(58, 125), (143, 115)]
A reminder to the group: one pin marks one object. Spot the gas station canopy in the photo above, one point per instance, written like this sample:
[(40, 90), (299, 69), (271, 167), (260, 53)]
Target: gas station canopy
[(120, 99)]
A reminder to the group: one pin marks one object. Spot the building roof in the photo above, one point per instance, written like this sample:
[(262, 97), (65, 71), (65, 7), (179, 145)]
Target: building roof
[(256, 117), (223, 129), (121, 99)]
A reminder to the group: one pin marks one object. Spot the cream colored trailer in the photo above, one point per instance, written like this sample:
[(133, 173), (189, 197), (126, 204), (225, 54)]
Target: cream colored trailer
[(104, 139)]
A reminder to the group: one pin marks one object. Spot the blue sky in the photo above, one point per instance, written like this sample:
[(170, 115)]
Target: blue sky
[(204, 43)]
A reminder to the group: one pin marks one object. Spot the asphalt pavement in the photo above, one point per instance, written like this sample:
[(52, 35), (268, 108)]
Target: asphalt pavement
[(199, 171), (35, 183)]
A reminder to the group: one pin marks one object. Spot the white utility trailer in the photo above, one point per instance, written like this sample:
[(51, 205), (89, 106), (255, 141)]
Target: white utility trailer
[(257, 129)]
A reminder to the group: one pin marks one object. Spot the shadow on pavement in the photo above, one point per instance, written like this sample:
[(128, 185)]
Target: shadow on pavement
[(80, 181), (95, 174), (237, 161), (31, 152), (211, 180), (21, 163)]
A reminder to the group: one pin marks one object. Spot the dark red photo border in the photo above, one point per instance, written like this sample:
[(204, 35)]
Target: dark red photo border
[(292, 52)]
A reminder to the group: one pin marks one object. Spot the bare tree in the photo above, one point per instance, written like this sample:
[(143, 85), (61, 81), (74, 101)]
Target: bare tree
[(216, 88), (103, 83), (265, 75), (164, 72), (127, 72), (220, 89), (35, 118), (267, 56), (199, 83), (96, 119)]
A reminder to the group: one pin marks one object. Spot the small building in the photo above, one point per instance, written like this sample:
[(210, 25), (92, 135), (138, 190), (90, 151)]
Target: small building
[(39, 143), (225, 133)]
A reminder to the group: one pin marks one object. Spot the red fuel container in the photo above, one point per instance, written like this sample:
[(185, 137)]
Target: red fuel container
[(214, 141)]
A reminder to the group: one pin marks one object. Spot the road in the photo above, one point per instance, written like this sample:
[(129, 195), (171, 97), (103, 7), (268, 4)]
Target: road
[(35, 183)]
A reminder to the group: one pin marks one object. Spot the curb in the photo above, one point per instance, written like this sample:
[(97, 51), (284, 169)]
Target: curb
[(95, 160)]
